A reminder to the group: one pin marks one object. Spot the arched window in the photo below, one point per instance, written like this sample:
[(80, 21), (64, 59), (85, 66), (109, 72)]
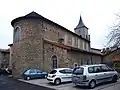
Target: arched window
[(16, 37), (75, 64), (54, 61)]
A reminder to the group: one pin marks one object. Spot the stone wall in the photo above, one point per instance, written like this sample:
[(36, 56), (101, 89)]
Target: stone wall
[(83, 58), (67, 57), (27, 53), (96, 59), (54, 33), (49, 51)]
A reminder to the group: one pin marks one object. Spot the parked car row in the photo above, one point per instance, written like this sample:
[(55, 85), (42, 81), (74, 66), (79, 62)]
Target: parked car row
[(86, 75)]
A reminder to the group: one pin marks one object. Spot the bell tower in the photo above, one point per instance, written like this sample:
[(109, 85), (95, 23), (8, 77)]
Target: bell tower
[(81, 29)]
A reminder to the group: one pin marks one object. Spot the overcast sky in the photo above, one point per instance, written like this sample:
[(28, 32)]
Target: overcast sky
[(97, 15)]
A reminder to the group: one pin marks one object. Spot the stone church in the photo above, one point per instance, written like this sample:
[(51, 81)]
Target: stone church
[(41, 43)]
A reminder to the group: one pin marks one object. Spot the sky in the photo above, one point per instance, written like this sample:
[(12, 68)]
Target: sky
[(97, 15)]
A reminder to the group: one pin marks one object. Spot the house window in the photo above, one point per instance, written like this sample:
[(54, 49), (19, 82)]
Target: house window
[(54, 61), (91, 61), (16, 37), (87, 61), (76, 41), (85, 45), (61, 40)]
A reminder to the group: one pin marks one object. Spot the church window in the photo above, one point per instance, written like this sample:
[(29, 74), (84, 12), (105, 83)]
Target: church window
[(54, 61), (16, 37), (76, 41), (75, 64)]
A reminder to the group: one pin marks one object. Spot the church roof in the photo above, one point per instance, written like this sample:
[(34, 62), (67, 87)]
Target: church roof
[(31, 15), (70, 47), (34, 15), (80, 24)]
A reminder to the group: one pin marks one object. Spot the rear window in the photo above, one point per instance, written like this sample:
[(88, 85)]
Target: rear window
[(78, 71), (53, 72)]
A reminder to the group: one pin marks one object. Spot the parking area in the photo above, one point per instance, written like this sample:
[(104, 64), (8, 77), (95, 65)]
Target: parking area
[(70, 86)]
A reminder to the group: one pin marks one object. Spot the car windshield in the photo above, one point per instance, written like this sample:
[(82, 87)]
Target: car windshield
[(53, 72), (78, 71)]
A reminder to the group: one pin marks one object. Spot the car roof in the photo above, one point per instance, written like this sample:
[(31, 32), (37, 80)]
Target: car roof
[(92, 65), (61, 68), (33, 68)]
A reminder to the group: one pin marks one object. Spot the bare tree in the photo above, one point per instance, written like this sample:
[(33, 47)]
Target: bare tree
[(114, 35)]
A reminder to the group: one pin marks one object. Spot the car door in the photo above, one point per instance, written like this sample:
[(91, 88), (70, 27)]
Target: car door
[(110, 73), (98, 74), (68, 74), (106, 73), (38, 73), (77, 75), (63, 75), (32, 73)]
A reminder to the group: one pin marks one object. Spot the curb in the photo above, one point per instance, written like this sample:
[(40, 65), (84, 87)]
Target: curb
[(110, 85)]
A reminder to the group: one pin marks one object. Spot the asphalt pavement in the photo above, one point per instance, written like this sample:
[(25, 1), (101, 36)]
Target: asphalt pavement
[(7, 83)]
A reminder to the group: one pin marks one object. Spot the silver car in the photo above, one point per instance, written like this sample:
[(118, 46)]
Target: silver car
[(90, 75)]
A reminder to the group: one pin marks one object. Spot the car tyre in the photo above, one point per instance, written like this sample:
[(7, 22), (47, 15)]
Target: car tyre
[(57, 81), (92, 84), (45, 76), (114, 79), (27, 78)]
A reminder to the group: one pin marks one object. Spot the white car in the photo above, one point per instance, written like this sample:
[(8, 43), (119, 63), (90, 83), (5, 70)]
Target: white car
[(59, 75)]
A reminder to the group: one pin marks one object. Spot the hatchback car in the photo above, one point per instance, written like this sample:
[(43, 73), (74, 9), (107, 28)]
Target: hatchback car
[(59, 75), (90, 75), (34, 73)]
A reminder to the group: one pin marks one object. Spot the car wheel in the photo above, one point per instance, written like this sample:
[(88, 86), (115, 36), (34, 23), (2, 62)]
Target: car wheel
[(92, 84), (75, 85), (57, 81), (27, 78), (45, 76), (114, 79)]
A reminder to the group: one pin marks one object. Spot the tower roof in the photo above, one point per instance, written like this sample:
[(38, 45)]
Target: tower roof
[(80, 24)]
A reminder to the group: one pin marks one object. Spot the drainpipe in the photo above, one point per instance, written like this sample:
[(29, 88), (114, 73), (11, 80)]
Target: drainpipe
[(42, 40)]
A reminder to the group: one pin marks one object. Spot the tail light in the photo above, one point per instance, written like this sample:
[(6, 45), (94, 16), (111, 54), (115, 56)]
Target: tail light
[(53, 76), (84, 77)]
